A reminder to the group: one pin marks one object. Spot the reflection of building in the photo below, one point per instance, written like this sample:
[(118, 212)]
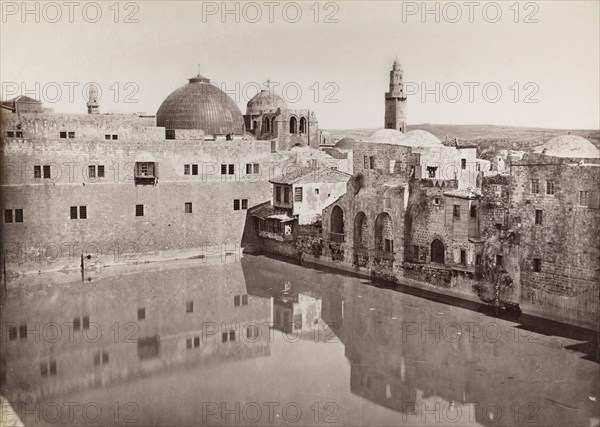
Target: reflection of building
[(149, 322)]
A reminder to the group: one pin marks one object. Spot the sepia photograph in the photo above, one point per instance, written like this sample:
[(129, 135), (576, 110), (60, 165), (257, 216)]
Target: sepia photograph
[(300, 213)]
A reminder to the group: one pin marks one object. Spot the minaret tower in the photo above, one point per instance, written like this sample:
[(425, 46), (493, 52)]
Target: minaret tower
[(395, 101), (92, 105)]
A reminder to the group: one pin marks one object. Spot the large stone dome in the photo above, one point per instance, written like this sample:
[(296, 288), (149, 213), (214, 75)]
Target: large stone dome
[(569, 146), (388, 136), (420, 137), (201, 105), (265, 100), (346, 143)]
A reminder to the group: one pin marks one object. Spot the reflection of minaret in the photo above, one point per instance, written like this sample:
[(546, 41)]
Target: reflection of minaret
[(92, 105), (395, 100)]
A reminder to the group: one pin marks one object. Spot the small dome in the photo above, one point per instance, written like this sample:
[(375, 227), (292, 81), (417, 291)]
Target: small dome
[(200, 105), (265, 100), (345, 143), (419, 137), (570, 146), (388, 136)]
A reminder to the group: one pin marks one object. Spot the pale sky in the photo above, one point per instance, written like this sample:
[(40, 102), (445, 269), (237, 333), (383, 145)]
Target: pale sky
[(341, 68)]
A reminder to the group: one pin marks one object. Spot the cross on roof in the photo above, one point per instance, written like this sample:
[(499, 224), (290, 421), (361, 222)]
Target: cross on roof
[(268, 83)]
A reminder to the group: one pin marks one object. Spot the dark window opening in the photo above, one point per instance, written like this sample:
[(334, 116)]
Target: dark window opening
[(196, 342), (139, 210), (52, 367), (18, 215), (188, 207), (71, 135), (388, 245), (73, 212), (86, 322), (550, 188), (473, 211), (535, 186), (244, 204), (10, 133), (100, 171), (92, 171), (186, 169), (46, 171), (477, 259), (82, 212), (236, 204), (189, 307), (286, 194), (231, 169), (12, 332), (456, 211), (539, 214), (236, 301), (372, 162), (8, 215), (76, 324), (298, 194), (37, 171), (194, 169), (431, 170), (23, 331), (278, 194), (106, 136), (245, 299), (115, 137), (463, 257), (63, 134), (499, 260), (223, 169), (463, 163), (141, 313), (537, 265)]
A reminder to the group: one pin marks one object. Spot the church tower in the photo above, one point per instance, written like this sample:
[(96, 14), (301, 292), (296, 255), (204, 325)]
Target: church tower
[(92, 105), (395, 101)]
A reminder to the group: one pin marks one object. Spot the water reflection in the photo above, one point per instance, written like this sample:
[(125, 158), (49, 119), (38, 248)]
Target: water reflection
[(266, 342)]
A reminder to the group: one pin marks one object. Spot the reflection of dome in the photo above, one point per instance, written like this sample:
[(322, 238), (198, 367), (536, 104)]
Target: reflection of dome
[(422, 137), (388, 136), (345, 144), (570, 146), (265, 100), (200, 105)]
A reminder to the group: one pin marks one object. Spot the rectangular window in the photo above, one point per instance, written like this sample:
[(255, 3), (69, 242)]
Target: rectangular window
[(139, 210), (18, 215), (245, 299), (8, 215), (535, 186), (231, 169), (196, 342), (10, 133), (12, 333), (550, 187), (23, 331), (141, 313), (236, 301), (194, 169), (537, 265), (463, 163), (416, 252), (71, 135), (186, 169), (46, 171), (256, 168), (539, 214), (431, 170), (477, 259), (463, 257), (298, 194), (73, 212), (583, 198), (223, 169), (189, 307), (248, 168), (63, 134), (499, 260), (188, 343), (188, 207), (82, 212), (286, 194), (372, 162), (244, 204), (100, 171), (92, 171), (104, 357), (236, 204), (366, 162), (456, 211), (278, 194), (76, 324), (115, 137), (37, 171), (86, 322), (473, 211), (388, 245), (53, 367), (106, 136)]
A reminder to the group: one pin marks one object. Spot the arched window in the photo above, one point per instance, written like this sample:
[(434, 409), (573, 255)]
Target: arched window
[(336, 225), (437, 251), (384, 233), (361, 231), (302, 125), (266, 125), (293, 125)]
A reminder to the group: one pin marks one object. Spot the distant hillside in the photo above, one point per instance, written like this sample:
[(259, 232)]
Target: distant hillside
[(486, 137)]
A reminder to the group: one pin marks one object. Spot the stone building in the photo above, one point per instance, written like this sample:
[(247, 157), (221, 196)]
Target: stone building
[(269, 118), (120, 186), (395, 101)]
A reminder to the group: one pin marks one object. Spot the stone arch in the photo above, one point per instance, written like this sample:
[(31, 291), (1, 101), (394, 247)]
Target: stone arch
[(336, 224), (361, 231), (438, 251), (293, 125), (302, 125), (384, 233), (266, 125)]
